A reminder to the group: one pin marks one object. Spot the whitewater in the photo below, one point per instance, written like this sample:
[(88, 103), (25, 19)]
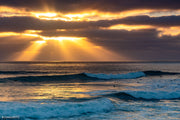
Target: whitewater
[(89, 90)]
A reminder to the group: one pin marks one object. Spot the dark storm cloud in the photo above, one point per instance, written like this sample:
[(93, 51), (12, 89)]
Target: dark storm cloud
[(146, 20), (138, 44), (25, 23), (102, 5), (30, 23), (146, 48), (105, 34)]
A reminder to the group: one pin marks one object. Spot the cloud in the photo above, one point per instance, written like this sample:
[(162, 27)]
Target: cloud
[(31, 23), (139, 44), (147, 48), (135, 44), (105, 34), (101, 5), (146, 20)]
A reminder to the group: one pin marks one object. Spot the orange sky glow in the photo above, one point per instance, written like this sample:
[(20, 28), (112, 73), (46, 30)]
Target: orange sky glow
[(74, 47)]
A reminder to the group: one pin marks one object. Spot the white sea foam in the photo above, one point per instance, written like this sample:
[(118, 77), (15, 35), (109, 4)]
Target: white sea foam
[(54, 110), (116, 76)]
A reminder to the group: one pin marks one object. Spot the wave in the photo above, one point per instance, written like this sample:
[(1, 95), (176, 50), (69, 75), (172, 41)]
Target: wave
[(145, 95), (82, 77), (116, 76), (50, 78), (48, 110)]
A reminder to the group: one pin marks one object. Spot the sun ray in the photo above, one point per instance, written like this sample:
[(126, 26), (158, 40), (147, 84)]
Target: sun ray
[(63, 49), (97, 52), (70, 48), (31, 52), (73, 48)]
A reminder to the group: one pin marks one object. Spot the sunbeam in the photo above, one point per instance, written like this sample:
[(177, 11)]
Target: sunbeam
[(66, 48), (31, 52)]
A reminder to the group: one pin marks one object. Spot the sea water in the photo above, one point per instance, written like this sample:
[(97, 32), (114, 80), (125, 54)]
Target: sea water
[(89, 90)]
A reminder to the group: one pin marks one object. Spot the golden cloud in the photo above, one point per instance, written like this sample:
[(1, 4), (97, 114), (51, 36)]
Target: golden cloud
[(90, 15)]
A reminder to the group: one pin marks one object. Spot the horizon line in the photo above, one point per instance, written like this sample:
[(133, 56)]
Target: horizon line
[(133, 61)]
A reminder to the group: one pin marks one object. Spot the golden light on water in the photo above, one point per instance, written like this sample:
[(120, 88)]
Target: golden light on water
[(44, 91), (51, 91), (64, 91)]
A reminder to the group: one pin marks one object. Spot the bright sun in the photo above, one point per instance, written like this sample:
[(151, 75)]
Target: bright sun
[(63, 38), (45, 15)]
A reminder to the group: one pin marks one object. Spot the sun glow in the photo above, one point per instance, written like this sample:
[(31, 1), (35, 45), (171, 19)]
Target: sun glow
[(129, 27), (40, 42), (31, 52), (65, 48), (6, 11), (5, 34), (45, 15), (88, 15), (63, 38), (169, 31)]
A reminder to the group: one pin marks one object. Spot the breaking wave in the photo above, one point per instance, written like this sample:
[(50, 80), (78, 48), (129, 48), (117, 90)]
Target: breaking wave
[(50, 109), (83, 76), (76, 77), (35, 110), (116, 76)]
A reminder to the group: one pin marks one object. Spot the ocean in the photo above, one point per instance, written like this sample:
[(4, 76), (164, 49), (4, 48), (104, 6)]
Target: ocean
[(89, 91)]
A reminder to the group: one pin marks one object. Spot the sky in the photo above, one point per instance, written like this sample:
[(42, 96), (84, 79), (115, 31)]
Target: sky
[(89, 30)]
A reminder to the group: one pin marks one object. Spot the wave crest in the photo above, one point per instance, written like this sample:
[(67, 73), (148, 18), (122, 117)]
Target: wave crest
[(116, 76), (82, 77)]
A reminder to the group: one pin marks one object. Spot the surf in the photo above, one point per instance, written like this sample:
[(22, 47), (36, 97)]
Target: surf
[(81, 77)]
